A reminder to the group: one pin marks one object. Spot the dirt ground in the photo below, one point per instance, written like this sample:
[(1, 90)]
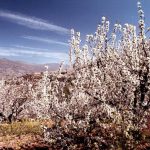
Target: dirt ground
[(23, 142)]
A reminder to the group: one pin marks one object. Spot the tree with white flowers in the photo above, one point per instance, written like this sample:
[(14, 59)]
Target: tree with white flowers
[(109, 83)]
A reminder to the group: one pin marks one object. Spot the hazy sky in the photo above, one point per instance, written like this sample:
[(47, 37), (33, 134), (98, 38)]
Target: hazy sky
[(37, 31)]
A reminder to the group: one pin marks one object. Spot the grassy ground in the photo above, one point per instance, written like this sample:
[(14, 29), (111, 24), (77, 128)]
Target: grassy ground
[(21, 135), (20, 128)]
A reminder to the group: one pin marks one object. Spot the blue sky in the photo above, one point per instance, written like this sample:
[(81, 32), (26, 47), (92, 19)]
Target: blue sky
[(37, 31)]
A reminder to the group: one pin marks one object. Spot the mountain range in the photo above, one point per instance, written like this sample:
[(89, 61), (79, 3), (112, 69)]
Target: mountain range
[(18, 68)]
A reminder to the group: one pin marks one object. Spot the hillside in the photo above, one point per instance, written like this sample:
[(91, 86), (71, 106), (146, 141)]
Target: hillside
[(11, 68)]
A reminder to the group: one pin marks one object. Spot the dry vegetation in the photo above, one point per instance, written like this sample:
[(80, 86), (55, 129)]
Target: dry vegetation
[(26, 134)]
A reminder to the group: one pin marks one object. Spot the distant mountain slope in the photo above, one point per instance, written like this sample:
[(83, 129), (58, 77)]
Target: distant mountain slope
[(11, 68)]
